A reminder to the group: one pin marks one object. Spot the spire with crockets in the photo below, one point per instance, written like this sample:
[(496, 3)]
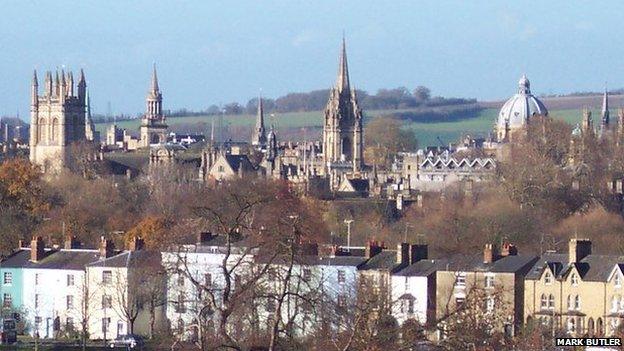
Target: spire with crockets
[(342, 82), (259, 138)]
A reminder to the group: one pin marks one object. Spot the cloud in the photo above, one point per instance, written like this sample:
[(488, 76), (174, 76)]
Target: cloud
[(302, 38)]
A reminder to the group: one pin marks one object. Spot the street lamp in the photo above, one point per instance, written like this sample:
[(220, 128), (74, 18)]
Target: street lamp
[(348, 223)]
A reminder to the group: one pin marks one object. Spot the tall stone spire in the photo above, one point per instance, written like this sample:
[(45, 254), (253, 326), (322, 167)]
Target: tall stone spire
[(259, 135), (342, 82), (605, 120), (154, 88)]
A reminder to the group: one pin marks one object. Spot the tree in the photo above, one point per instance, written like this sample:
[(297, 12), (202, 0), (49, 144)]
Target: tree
[(385, 136), (152, 229), (421, 93)]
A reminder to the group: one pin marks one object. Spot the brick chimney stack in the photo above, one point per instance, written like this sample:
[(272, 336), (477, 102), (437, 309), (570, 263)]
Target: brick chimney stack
[(37, 249), (136, 244), (373, 248), (509, 250), (107, 248), (403, 254), (488, 253), (579, 249), (71, 242)]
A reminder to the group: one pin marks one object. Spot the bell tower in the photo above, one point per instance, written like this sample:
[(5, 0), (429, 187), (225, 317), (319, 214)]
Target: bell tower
[(153, 126)]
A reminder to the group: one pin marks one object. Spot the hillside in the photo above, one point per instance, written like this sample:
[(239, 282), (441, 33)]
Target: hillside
[(307, 125)]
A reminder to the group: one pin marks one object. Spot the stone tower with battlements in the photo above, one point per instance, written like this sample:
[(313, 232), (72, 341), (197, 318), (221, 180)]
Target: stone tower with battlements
[(57, 119), (153, 126), (342, 130)]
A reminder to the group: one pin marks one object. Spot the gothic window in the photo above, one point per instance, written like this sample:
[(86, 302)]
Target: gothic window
[(547, 278), (347, 148), (544, 302), (577, 302), (42, 127), (551, 302), (54, 131)]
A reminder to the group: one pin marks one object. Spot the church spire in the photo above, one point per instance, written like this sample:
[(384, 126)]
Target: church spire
[(605, 108), (342, 82), (154, 88), (259, 135)]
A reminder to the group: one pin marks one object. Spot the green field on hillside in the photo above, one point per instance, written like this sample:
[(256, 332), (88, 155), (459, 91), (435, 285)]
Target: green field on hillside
[(426, 133)]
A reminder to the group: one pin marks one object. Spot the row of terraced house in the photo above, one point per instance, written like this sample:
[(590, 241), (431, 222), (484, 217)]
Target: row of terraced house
[(57, 291)]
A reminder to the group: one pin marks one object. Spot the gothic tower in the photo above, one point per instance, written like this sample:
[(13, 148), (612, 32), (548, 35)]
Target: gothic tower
[(153, 125), (259, 138), (342, 131), (57, 119)]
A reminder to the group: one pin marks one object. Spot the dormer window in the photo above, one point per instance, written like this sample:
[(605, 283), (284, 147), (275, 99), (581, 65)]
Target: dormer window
[(574, 279), (547, 278)]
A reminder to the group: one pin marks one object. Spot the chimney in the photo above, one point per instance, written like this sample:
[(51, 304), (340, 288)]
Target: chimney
[(20, 243), (403, 251), (488, 253), (37, 249), (71, 242), (418, 252), (373, 248), (509, 250), (136, 244), (107, 248), (578, 249), (204, 237)]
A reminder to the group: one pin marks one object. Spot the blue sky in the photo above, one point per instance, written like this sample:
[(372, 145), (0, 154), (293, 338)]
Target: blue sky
[(211, 51)]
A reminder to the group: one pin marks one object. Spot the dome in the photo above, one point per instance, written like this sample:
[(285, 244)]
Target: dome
[(520, 107)]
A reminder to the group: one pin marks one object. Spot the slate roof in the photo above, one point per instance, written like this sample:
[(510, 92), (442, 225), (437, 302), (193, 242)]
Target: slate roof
[(384, 260), (590, 268), (422, 268), (53, 259), (129, 259), (508, 264), (236, 161), (311, 260)]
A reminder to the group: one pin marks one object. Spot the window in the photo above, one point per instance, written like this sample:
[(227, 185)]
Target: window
[(342, 277), (577, 302), (461, 280), (70, 302), (105, 323), (544, 302), (107, 301), (37, 298), (270, 306), (37, 278), (407, 305), (489, 304), (180, 308), (69, 323), (547, 278), (551, 302), (7, 300), (8, 278), (617, 281), (571, 325), (615, 304), (574, 279), (342, 301), (180, 280), (570, 303), (460, 301), (489, 281), (70, 280), (208, 280), (220, 169), (307, 274), (107, 277), (37, 322)]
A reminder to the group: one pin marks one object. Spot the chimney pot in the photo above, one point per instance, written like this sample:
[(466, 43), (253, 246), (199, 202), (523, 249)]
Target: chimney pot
[(37, 249)]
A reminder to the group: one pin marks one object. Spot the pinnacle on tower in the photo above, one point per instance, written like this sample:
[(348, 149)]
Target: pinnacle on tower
[(82, 77), (342, 82), (48, 83), (34, 79)]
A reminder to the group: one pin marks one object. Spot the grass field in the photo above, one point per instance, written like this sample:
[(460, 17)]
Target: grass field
[(426, 133)]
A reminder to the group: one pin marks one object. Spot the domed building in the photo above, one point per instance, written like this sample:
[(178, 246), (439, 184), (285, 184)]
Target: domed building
[(518, 110)]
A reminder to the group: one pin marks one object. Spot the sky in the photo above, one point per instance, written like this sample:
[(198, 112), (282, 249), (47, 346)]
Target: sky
[(211, 52)]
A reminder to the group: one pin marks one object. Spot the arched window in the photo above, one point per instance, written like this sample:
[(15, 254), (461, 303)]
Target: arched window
[(551, 301), (570, 304), (54, 130), (544, 302), (571, 325), (547, 278), (347, 147), (590, 326), (577, 302), (42, 130), (599, 327)]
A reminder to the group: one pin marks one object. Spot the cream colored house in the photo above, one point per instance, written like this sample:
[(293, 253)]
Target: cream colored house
[(121, 288), (491, 283), (577, 292)]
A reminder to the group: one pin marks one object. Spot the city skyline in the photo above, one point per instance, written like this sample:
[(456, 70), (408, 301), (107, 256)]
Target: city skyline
[(207, 54)]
